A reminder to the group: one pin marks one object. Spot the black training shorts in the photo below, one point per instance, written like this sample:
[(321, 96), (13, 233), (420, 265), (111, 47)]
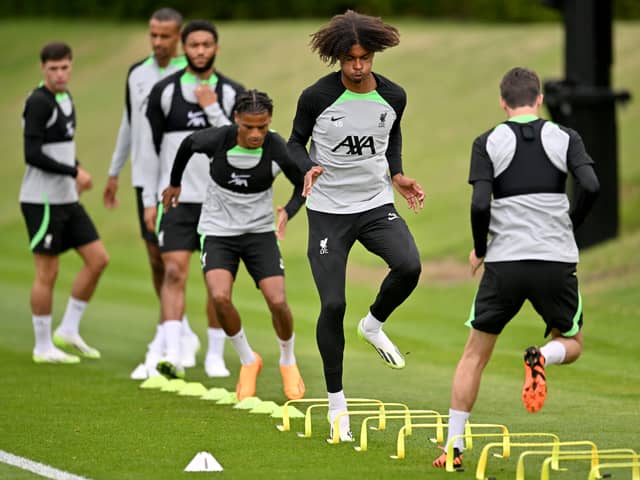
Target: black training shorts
[(146, 234), (551, 287), (178, 227), (54, 229), (258, 251)]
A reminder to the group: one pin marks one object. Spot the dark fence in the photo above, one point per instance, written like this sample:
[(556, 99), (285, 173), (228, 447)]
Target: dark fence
[(484, 10)]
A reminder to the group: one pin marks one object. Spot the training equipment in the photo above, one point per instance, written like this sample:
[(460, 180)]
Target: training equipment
[(154, 382), (388, 352), (204, 462), (76, 343), (534, 391), (193, 389)]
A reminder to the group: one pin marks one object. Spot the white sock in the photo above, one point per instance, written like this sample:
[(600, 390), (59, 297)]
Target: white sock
[(337, 403), (371, 325), (70, 324), (457, 420), (42, 331), (157, 345), (216, 342), (172, 329), (186, 328), (287, 357), (554, 352), (240, 343)]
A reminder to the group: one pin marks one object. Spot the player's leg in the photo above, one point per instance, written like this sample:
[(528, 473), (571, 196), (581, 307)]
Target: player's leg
[(220, 260), (176, 264), (81, 234), (498, 300), (44, 226), (465, 387), (263, 260), (155, 348), (46, 271), (214, 364), (555, 295), (384, 233), (330, 240)]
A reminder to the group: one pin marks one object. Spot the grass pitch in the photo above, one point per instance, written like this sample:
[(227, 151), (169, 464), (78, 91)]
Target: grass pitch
[(93, 421)]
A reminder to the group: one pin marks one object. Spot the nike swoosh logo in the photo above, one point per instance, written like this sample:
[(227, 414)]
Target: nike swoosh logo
[(334, 119)]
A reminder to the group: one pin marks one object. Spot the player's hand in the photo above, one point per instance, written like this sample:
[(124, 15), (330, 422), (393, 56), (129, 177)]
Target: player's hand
[(205, 95), (109, 195), (150, 216), (310, 178), (410, 190), (83, 180), (281, 223), (475, 262), (170, 196)]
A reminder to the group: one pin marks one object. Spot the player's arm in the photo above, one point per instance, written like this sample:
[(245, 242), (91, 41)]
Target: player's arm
[(408, 187), (587, 188), (481, 177), (208, 101), (301, 131), (202, 141), (293, 173), (36, 114)]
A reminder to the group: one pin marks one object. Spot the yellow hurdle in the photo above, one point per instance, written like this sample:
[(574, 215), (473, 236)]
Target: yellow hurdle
[(506, 443), (381, 413), (594, 456), (555, 452), (286, 421), (635, 469), (407, 416), (400, 443), (544, 471)]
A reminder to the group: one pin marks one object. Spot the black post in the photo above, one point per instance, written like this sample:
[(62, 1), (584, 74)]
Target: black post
[(585, 102)]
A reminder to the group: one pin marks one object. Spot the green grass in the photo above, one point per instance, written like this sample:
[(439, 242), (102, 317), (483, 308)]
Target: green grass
[(93, 421)]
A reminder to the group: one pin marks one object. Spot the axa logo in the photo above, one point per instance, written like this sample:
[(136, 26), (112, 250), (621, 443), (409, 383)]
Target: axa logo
[(324, 249), (196, 119), (355, 145), (239, 180), (383, 119)]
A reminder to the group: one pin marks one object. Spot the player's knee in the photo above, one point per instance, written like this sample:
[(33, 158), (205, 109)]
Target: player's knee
[(278, 304), (174, 274), (98, 262), (47, 277), (333, 308), (410, 270), (221, 300)]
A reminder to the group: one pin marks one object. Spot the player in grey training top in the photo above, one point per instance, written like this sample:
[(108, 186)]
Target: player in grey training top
[(55, 220), (164, 34), (518, 172), (237, 222), (191, 99), (353, 119)]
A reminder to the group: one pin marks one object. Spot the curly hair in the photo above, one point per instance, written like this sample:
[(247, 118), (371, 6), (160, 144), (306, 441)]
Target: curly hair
[(253, 102), (335, 39)]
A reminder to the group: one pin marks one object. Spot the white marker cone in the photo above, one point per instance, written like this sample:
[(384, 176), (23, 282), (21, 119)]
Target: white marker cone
[(203, 462)]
